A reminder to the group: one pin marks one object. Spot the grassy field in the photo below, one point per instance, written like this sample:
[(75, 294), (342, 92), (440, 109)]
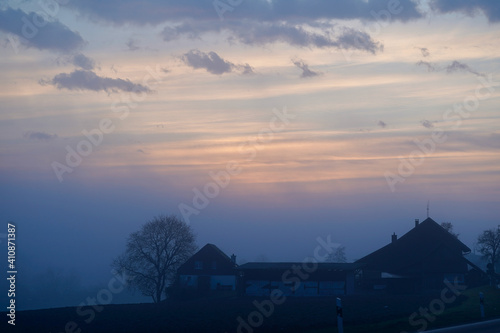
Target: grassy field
[(220, 314)]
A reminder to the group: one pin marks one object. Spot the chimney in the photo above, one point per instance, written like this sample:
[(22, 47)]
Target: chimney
[(394, 238), (233, 258), (416, 222)]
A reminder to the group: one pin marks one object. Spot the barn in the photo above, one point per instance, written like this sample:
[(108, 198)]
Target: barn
[(297, 278), (421, 260), (209, 269)]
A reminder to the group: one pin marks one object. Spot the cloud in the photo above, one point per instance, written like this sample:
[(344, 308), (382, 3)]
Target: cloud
[(213, 63), (262, 33), (53, 35), (155, 12), (88, 80), (84, 62), (132, 45), (355, 39), (39, 136), (430, 66), (457, 66), (306, 72), (490, 8), (382, 124), (427, 123), (425, 51)]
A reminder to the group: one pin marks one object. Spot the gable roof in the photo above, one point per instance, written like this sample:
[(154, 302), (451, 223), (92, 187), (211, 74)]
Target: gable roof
[(415, 247), (208, 254)]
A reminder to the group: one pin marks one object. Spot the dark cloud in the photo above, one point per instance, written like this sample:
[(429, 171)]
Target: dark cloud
[(213, 63), (261, 33), (306, 72), (358, 40), (257, 22), (159, 11), (39, 136), (88, 80), (382, 124), (84, 62), (457, 66), (51, 35), (490, 8), (427, 124)]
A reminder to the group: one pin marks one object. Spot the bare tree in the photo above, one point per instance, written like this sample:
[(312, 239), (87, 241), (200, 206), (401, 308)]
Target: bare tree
[(154, 253), (448, 226), (488, 244), (338, 255)]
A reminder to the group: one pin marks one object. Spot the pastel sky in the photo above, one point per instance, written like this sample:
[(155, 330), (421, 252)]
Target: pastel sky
[(341, 118)]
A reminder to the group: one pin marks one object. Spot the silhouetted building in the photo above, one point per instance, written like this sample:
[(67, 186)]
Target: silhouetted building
[(208, 269), (297, 278), (420, 260)]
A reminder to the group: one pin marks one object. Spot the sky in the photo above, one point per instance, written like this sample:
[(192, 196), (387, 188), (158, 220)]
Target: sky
[(264, 124)]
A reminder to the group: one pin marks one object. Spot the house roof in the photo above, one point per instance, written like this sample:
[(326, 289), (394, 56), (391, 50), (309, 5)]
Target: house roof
[(207, 254), (414, 247), (282, 266)]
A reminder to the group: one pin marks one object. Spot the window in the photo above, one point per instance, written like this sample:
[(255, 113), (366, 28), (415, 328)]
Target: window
[(198, 265)]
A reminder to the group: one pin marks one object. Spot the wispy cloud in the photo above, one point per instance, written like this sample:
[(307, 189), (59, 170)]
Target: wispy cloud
[(430, 66), (39, 136), (457, 66), (213, 63), (132, 45), (88, 80), (306, 72), (425, 51), (427, 124), (84, 62), (382, 124)]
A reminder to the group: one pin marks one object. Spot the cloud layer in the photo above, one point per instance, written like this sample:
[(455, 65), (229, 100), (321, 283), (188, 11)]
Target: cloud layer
[(44, 35), (261, 34), (159, 11), (490, 8)]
